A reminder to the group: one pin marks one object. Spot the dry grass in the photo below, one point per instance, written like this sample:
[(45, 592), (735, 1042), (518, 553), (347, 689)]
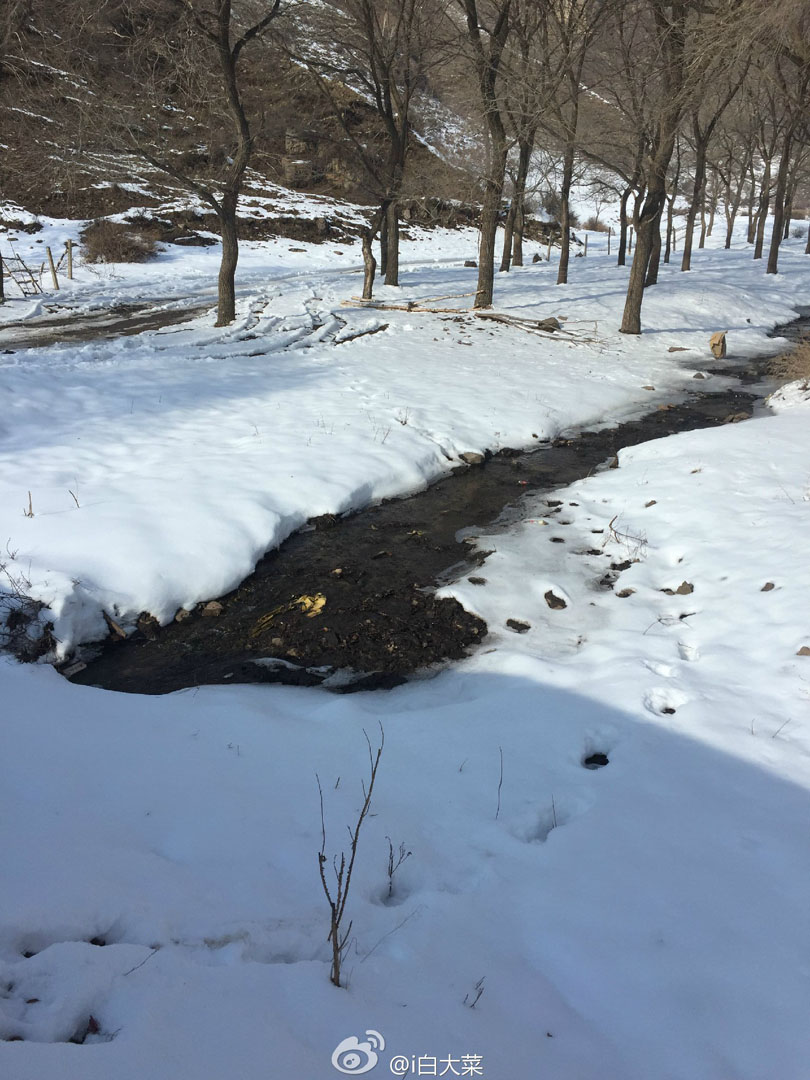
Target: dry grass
[(792, 365), (116, 242)]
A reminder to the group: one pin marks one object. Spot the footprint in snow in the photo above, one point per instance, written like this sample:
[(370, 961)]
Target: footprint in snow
[(666, 671), (664, 701)]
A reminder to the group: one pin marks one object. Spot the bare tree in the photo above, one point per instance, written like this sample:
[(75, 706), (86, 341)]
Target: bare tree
[(524, 98), (142, 75), (487, 46), (733, 159), (567, 33), (381, 49), (337, 894), (684, 37), (705, 115), (226, 38), (794, 87)]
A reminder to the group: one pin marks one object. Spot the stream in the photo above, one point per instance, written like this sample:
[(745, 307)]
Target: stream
[(376, 571)]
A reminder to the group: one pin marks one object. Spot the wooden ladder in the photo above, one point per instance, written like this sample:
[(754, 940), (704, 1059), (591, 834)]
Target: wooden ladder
[(20, 274)]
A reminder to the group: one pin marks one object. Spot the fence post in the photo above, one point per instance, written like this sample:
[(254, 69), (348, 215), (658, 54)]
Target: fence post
[(53, 269), (70, 259), (610, 233)]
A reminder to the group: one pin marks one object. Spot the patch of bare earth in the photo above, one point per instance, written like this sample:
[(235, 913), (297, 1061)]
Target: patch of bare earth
[(792, 365)]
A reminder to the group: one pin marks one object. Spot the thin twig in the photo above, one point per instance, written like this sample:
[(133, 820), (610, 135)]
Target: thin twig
[(500, 783)]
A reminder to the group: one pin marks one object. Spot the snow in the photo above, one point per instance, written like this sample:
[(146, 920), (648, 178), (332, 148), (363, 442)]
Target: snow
[(192, 450), (644, 919)]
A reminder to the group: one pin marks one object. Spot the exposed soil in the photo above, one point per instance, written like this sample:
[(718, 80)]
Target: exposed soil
[(122, 320), (376, 571)]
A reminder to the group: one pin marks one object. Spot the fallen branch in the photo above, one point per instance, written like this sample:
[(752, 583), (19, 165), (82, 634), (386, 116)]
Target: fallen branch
[(363, 333), (543, 327), (548, 326)]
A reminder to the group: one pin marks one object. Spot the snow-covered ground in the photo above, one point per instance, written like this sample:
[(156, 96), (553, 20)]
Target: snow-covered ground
[(644, 919)]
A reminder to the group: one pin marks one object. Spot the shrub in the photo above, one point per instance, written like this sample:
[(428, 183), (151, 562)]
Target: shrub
[(550, 202), (117, 242), (593, 224)]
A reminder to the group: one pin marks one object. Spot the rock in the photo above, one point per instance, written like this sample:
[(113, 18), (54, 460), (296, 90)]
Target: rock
[(652, 502), (148, 625), (625, 593), (767, 586), (596, 761), (182, 614), (614, 462), (736, 418), (684, 589), (477, 580), (648, 388), (556, 603), (550, 325), (717, 343), (212, 609), (677, 348), (471, 263), (469, 457), (115, 630), (698, 375), (803, 651), (518, 626)]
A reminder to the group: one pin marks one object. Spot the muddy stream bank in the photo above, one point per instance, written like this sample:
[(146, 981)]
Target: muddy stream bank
[(370, 575)]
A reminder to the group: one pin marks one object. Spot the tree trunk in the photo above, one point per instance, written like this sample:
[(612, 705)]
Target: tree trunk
[(779, 203), (694, 205), (792, 187), (807, 247), (648, 221), (752, 225), (702, 240), (517, 235), (730, 228), (670, 213), (655, 253), (731, 204), (508, 236), (712, 205), (671, 197), (519, 221), (369, 263), (392, 244), (2, 281), (489, 227), (226, 300), (762, 211), (383, 241), (623, 223), (565, 215)]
